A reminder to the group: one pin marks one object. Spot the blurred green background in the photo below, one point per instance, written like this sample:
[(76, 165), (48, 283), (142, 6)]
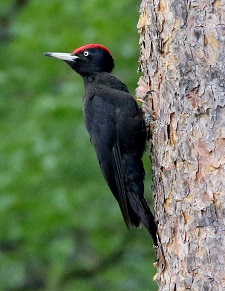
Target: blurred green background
[(60, 227)]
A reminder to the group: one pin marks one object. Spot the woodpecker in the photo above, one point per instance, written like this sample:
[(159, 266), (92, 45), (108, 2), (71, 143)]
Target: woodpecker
[(117, 130)]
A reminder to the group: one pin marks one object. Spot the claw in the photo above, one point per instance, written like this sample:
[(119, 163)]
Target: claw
[(148, 93)]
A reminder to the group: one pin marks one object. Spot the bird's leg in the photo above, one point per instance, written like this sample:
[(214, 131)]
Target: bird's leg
[(147, 108), (147, 105)]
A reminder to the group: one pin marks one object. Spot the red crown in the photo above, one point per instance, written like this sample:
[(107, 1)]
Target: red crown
[(90, 46)]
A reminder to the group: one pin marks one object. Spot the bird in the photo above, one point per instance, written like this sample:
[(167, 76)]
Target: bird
[(117, 131)]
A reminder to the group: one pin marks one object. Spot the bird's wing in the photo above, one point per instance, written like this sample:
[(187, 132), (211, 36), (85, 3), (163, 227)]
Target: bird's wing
[(115, 125), (101, 124), (120, 183)]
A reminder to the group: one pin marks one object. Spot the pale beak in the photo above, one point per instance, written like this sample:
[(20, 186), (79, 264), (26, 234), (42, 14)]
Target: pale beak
[(62, 56)]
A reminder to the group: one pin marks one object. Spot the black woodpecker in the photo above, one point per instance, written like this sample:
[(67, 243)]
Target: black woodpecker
[(117, 131)]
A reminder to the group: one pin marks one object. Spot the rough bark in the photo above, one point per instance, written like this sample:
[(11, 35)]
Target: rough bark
[(183, 61)]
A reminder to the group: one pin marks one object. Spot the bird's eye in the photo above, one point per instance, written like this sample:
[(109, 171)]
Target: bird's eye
[(86, 53)]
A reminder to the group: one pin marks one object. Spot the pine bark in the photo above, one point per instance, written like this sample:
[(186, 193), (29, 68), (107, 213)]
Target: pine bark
[(183, 61)]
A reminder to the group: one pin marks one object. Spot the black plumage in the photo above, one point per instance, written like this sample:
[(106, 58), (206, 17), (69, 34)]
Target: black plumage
[(117, 131)]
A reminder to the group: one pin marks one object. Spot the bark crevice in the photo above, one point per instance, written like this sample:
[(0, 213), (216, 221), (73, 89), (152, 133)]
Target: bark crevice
[(182, 60)]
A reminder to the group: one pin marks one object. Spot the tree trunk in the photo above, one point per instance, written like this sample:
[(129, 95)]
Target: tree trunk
[(183, 61)]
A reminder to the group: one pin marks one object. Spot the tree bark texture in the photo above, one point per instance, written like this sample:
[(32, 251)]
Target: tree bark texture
[(183, 61)]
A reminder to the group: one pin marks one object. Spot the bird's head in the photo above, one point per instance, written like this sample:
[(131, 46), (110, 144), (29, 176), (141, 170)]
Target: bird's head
[(88, 59)]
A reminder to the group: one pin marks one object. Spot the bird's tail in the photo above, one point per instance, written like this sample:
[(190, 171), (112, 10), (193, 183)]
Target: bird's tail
[(148, 220), (143, 212)]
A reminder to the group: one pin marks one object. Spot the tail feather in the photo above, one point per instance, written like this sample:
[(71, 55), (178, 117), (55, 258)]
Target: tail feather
[(148, 220), (143, 214)]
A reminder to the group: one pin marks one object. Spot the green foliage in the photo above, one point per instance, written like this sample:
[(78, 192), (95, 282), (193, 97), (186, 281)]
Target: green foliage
[(61, 229)]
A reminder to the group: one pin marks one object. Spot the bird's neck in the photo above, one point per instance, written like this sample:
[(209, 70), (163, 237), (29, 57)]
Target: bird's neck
[(103, 79), (92, 78)]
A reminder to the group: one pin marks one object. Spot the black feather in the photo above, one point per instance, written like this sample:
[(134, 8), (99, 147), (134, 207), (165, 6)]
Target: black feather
[(117, 129)]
